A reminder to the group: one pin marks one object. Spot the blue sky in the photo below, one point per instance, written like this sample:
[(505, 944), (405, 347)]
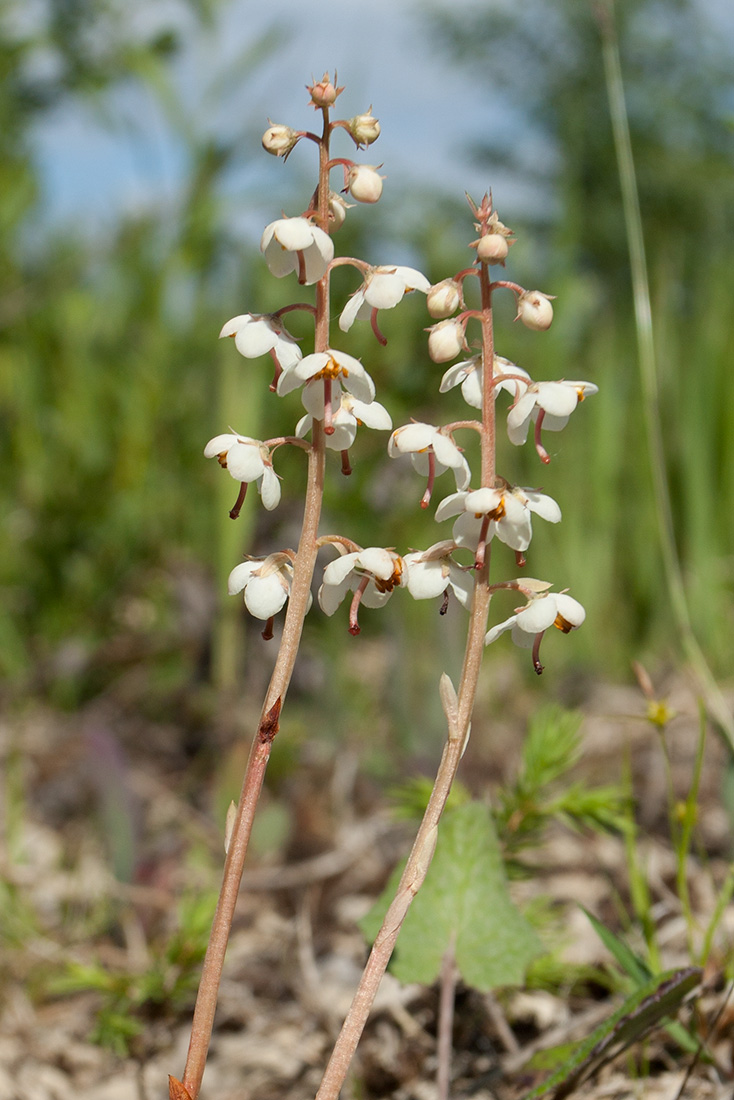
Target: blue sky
[(124, 154)]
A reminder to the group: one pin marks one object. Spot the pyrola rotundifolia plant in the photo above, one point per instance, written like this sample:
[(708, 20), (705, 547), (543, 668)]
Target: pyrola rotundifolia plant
[(338, 396)]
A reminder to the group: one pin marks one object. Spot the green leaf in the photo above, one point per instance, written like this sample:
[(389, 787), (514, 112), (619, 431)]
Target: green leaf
[(632, 964), (639, 1014), (464, 904)]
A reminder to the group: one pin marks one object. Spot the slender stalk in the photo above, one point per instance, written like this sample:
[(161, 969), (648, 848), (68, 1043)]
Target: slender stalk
[(715, 702), (424, 845), (446, 1023), (303, 570)]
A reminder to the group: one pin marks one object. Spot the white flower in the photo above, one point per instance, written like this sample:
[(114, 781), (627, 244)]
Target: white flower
[(294, 244), (279, 140), (544, 609), (371, 574), (257, 334), (534, 309), (504, 511), (446, 340), (247, 460), (432, 451), (443, 298), (382, 288), (329, 365), (349, 414), (364, 182), (338, 209), (266, 583), (469, 376), (364, 128), (549, 403), (430, 572)]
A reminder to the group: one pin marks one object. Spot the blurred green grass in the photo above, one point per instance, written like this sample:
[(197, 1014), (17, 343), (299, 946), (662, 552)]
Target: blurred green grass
[(112, 380)]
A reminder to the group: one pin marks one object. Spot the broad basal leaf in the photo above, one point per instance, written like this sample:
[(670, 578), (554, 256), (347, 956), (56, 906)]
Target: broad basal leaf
[(464, 902)]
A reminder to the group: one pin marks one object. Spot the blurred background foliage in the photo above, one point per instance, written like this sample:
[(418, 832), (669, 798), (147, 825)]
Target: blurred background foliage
[(116, 540)]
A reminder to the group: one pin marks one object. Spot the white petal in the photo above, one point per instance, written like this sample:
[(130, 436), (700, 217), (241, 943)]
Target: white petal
[(232, 327), (303, 427), (270, 489), (351, 310), (339, 568), (450, 506), (538, 615), (413, 279), (279, 261), (264, 596), (287, 351), (244, 461), (374, 598), (372, 414), (516, 532), (500, 628), (472, 391), (384, 291), (377, 560), (446, 451), (570, 609), (219, 445), (344, 434), (467, 529), (462, 585), (518, 418), (413, 437), (255, 340), (240, 575), (482, 501), (543, 506), (331, 595), (294, 234), (426, 580), (462, 474), (557, 398), (357, 381), (317, 257)]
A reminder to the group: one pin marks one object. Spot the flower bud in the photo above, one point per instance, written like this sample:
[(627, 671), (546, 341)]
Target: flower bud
[(534, 309), (444, 298), (279, 140), (338, 210), (364, 128), (364, 182), (446, 340), (323, 94), (492, 248)]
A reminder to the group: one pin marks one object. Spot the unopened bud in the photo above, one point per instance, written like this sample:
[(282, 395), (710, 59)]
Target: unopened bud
[(338, 210), (444, 298), (364, 128), (279, 140), (446, 340), (492, 248), (534, 309), (323, 94), (364, 182)]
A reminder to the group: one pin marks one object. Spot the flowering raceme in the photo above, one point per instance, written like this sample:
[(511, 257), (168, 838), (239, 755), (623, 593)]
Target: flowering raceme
[(338, 395)]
